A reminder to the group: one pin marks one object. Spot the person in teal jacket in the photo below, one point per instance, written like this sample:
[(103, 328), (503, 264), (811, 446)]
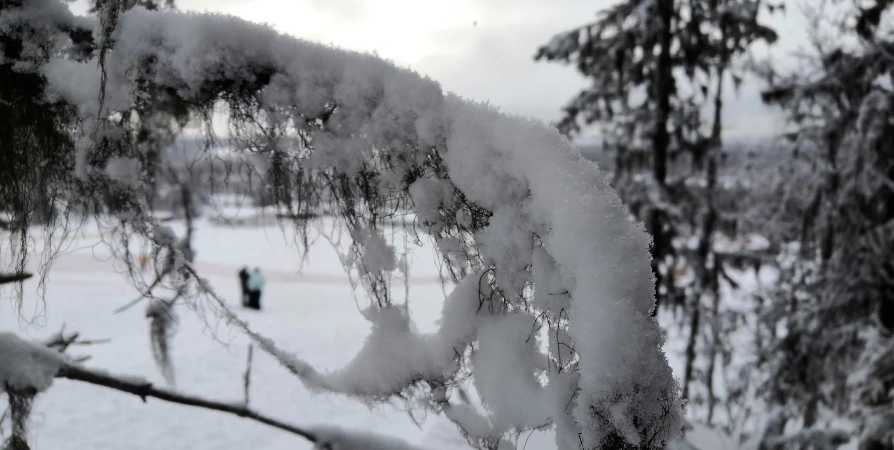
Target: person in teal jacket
[(254, 285)]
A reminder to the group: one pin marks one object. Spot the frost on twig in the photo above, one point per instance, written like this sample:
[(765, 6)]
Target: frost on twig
[(170, 255), (20, 402), (162, 322)]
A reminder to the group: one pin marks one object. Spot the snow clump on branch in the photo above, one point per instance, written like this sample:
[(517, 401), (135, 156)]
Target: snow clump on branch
[(27, 365)]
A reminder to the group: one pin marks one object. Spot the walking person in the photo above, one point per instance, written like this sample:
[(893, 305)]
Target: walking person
[(243, 283), (255, 285)]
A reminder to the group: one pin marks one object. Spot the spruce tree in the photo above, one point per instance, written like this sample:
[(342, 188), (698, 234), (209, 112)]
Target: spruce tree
[(835, 358)]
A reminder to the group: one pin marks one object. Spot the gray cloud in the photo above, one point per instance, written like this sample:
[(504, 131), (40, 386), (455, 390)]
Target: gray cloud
[(493, 60), (497, 66)]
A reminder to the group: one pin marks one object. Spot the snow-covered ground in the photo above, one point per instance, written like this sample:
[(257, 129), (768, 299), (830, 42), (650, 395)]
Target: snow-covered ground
[(308, 309), (311, 313)]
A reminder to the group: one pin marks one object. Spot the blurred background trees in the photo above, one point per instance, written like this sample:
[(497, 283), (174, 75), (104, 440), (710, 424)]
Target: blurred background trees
[(803, 357)]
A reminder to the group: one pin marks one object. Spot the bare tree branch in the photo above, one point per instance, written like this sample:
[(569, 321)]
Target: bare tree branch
[(145, 389), (14, 277), (133, 302), (325, 437), (62, 341), (3, 418)]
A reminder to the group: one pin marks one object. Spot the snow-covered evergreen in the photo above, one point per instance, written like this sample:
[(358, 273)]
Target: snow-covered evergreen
[(830, 363)]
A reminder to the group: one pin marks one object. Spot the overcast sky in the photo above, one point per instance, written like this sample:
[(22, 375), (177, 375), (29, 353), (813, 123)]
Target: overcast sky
[(479, 49)]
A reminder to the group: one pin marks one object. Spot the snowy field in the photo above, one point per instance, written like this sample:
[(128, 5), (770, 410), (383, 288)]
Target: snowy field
[(308, 309)]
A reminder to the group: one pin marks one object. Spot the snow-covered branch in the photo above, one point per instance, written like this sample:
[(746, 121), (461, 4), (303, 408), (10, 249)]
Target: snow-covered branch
[(144, 389), (28, 368)]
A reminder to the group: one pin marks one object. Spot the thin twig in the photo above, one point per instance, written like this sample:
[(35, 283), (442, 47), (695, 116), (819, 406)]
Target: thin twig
[(3, 418), (128, 305), (145, 389), (298, 367), (148, 294), (92, 342), (247, 376), (62, 341)]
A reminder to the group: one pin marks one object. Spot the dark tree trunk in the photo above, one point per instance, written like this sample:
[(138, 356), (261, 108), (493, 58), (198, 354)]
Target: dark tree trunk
[(663, 89), (711, 283), (690, 346)]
